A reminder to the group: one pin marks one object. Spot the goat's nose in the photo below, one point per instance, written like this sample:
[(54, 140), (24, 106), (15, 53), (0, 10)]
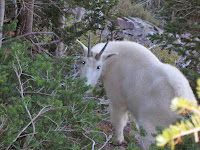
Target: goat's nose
[(91, 82)]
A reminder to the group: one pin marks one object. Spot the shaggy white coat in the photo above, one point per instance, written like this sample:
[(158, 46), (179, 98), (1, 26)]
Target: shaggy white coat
[(137, 82)]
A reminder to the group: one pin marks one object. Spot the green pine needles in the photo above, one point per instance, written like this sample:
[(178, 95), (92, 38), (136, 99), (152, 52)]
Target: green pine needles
[(42, 104), (174, 133)]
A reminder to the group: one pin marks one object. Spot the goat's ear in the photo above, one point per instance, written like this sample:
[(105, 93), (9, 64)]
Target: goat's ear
[(108, 55), (83, 47)]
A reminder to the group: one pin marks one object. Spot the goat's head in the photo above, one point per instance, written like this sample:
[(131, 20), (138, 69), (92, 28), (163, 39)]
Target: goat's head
[(92, 62)]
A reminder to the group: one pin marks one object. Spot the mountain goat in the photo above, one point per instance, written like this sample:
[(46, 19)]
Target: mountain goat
[(137, 82)]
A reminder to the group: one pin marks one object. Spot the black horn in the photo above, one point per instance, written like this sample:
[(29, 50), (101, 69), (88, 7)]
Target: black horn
[(98, 56), (89, 46)]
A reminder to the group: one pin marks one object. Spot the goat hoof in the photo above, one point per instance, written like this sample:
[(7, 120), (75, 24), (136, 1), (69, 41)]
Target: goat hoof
[(118, 143)]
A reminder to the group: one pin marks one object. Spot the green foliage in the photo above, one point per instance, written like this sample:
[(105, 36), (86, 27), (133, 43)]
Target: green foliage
[(47, 18), (164, 55), (198, 87), (10, 27), (141, 131), (181, 34), (174, 133), (94, 38), (131, 143), (134, 126), (40, 99), (127, 8), (95, 19), (42, 104)]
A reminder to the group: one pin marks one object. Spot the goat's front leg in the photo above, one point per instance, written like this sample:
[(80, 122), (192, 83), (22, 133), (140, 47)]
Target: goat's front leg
[(119, 117)]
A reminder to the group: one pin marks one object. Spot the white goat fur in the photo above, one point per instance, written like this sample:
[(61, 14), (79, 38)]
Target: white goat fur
[(137, 82)]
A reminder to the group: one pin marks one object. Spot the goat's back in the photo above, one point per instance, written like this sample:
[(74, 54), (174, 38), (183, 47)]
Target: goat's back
[(143, 82), (136, 81)]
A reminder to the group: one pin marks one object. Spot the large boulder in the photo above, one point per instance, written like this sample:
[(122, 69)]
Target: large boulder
[(138, 29), (134, 29)]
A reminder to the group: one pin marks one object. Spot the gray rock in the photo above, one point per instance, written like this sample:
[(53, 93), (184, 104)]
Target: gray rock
[(133, 29), (123, 24)]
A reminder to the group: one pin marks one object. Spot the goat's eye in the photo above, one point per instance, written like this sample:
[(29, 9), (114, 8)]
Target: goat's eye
[(83, 62), (98, 67)]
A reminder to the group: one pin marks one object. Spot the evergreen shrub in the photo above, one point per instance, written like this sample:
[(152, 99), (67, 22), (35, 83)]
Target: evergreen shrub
[(41, 103)]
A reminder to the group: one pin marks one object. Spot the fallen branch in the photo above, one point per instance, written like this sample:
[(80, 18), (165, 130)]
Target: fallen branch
[(107, 139)]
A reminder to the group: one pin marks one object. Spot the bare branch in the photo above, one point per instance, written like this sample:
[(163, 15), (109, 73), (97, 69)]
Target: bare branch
[(193, 109), (107, 139), (52, 121), (31, 33), (40, 48), (18, 74), (93, 142), (47, 43), (3, 121), (32, 92), (33, 124), (194, 131)]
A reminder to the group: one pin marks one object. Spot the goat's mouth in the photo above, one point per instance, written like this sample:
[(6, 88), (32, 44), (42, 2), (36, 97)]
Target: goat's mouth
[(90, 91), (92, 85)]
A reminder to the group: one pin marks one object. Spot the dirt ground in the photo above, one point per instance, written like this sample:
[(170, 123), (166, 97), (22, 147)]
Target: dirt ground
[(105, 126)]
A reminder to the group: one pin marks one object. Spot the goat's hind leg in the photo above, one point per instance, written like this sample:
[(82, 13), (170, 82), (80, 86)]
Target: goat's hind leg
[(119, 117)]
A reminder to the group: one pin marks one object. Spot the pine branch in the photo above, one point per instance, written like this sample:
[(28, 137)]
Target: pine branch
[(195, 131), (173, 134)]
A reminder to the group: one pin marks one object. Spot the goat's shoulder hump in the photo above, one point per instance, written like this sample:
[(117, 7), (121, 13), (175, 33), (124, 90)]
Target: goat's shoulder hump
[(118, 46)]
